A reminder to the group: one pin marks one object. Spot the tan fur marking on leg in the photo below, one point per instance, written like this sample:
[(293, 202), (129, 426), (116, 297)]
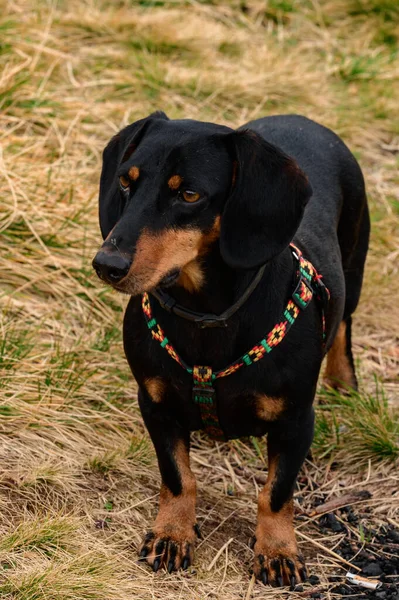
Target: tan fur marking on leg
[(134, 173), (339, 372), (155, 388), (275, 534), (175, 182), (275, 529), (176, 516), (268, 409)]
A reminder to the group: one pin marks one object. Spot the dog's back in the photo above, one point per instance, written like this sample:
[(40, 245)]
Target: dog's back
[(338, 205)]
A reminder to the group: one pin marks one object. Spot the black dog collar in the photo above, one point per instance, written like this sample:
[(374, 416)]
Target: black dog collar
[(204, 320)]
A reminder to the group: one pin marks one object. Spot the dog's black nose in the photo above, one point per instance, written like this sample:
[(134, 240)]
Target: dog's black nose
[(110, 267)]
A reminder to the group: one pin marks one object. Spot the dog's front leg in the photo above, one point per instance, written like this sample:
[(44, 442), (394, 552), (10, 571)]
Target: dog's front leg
[(277, 560), (170, 543)]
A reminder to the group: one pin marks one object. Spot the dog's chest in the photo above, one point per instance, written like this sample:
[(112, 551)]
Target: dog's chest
[(249, 413), (237, 406)]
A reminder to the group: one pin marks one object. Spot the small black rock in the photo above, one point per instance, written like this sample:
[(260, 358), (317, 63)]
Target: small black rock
[(372, 569), (352, 518), (389, 568), (394, 536), (314, 580), (343, 589)]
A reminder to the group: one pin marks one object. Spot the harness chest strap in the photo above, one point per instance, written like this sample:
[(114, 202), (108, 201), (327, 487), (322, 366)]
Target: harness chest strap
[(204, 394)]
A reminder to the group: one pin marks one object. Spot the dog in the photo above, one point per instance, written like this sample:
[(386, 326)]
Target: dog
[(243, 252)]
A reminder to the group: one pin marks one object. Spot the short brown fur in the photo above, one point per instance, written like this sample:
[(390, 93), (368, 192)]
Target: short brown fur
[(155, 388), (134, 173), (209, 238), (192, 275), (157, 254), (339, 372), (275, 534), (269, 409), (176, 517), (175, 182)]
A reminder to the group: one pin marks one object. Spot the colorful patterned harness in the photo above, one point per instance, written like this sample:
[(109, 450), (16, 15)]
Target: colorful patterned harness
[(309, 282)]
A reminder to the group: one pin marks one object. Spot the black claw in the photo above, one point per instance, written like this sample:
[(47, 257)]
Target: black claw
[(275, 564), (264, 576), (261, 559), (156, 564), (143, 553), (172, 556), (303, 574), (186, 563), (171, 566), (149, 537), (291, 565), (197, 531), (159, 548), (252, 542), (292, 582)]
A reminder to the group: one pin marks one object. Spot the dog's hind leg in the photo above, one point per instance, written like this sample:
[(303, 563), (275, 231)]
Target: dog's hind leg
[(353, 237), (340, 369)]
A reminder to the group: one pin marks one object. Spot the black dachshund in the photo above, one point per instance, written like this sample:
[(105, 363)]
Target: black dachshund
[(259, 235)]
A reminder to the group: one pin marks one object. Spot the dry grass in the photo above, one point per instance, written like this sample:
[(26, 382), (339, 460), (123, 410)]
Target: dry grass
[(78, 479)]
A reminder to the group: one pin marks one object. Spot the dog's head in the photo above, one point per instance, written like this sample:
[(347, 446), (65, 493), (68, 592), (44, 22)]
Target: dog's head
[(169, 190)]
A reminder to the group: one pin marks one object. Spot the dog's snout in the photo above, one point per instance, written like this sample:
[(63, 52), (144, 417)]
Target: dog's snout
[(110, 267)]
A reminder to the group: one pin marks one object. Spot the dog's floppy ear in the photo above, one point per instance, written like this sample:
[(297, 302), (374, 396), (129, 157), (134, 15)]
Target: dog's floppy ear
[(266, 204), (121, 146)]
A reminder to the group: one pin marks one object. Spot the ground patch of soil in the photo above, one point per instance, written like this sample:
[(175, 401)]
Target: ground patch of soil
[(377, 555)]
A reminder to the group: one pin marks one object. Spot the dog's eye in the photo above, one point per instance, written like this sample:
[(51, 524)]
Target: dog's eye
[(123, 182), (190, 196)]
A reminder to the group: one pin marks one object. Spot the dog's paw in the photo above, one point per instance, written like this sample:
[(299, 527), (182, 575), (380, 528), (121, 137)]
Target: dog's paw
[(168, 551), (278, 568)]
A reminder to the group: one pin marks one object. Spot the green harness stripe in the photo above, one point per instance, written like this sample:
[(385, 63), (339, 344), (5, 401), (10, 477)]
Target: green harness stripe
[(203, 376)]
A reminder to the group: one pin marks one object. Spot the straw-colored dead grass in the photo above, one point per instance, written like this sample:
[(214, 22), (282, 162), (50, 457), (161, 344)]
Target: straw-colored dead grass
[(78, 477)]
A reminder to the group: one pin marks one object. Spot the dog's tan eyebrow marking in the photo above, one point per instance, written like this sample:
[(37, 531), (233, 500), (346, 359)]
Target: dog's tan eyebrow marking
[(175, 182), (134, 173)]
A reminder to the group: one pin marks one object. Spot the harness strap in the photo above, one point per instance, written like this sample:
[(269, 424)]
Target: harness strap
[(204, 396), (309, 282)]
